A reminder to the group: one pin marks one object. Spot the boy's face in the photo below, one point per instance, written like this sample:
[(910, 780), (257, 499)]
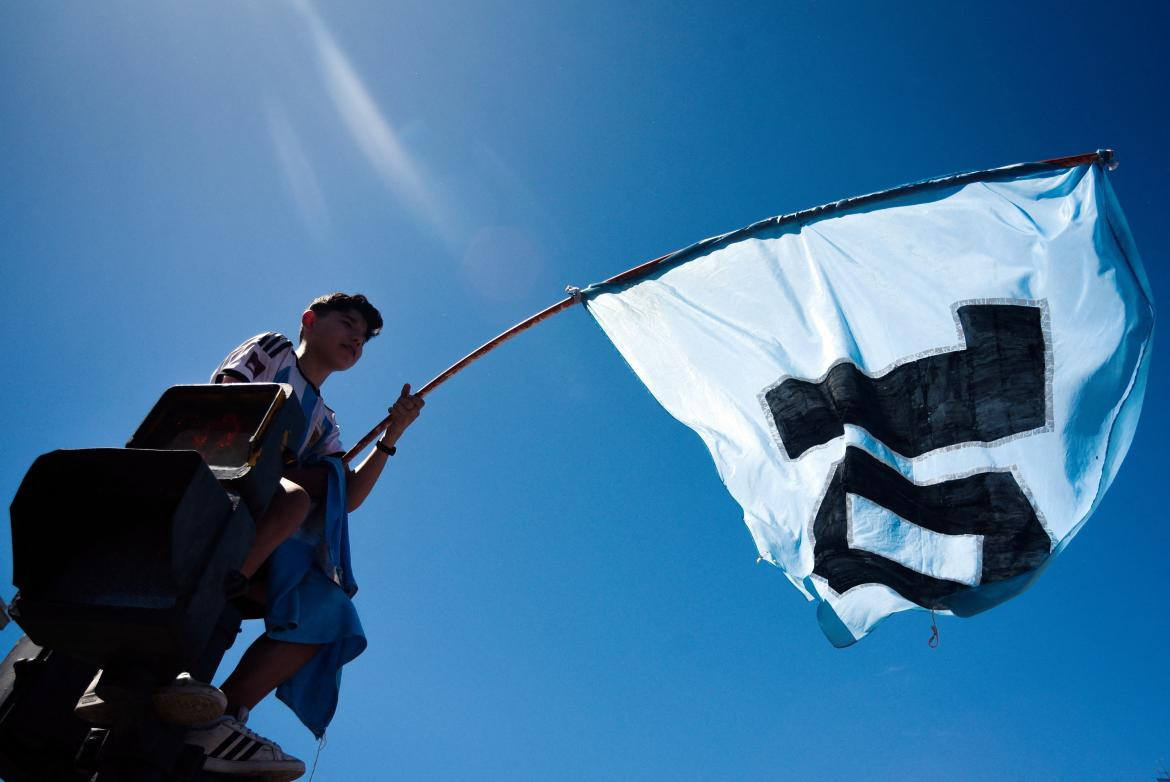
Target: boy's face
[(335, 338)]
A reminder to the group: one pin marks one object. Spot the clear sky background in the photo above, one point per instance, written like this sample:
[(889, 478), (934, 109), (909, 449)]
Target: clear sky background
[(554, 582)]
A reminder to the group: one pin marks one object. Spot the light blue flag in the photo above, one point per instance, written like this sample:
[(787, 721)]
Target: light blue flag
[(917, 397)]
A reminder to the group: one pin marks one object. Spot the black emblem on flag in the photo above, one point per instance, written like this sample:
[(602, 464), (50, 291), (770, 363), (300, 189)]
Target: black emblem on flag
[(993, 387)]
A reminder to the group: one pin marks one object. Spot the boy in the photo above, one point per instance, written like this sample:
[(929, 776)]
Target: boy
[(312, 628)]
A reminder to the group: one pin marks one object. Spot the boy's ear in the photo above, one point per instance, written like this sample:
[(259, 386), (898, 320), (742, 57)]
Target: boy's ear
[(308, 318)]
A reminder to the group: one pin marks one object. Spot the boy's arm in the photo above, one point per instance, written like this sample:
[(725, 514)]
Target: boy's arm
[(312, 479), (361, 481), (404, 412)]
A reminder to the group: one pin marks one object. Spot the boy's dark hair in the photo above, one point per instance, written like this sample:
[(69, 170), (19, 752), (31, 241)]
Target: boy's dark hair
[(340, 302)]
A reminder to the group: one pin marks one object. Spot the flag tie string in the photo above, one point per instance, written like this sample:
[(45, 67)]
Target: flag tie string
[(320, 746), (933, 642)]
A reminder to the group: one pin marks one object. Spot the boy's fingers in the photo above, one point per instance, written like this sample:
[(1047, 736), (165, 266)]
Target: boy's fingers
[(407, 405)]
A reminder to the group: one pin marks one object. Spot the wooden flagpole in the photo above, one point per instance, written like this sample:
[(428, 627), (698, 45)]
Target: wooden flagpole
[(1104, 156), (490, 345)]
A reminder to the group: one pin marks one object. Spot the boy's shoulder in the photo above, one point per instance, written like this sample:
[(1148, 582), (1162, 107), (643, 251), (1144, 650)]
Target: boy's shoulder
[(257, 359), (271, 342)]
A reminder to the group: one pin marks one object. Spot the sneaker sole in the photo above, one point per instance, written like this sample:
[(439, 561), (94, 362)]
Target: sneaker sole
[(189, 708), (272, 771)]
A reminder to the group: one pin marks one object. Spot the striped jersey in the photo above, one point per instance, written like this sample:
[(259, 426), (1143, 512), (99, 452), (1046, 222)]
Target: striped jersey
[(270, 358)]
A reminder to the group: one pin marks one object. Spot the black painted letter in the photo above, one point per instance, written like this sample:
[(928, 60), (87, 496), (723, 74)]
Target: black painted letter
[(987, 503), (992, 388)]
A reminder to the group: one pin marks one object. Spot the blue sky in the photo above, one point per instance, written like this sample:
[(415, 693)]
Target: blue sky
[(554, 582)]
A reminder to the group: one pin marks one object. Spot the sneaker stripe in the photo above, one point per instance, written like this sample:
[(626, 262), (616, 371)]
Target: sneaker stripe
[(244, 744), (234, 738), (251, 751)]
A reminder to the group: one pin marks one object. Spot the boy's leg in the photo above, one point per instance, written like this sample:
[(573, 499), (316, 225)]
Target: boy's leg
[(268, 663), (265, 665), (229, 747), (285, 513)]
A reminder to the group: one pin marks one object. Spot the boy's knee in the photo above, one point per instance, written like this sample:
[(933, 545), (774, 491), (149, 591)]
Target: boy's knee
[(290, 506)]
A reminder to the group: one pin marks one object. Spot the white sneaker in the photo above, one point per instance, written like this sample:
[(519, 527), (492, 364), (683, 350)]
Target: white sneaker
[(187, 701), (230, 748)]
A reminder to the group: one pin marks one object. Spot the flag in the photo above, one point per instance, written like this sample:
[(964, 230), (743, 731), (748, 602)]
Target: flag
[(917, 397)]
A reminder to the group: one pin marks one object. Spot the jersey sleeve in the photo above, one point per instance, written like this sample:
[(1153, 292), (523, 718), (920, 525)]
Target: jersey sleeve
[(255, 361)]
